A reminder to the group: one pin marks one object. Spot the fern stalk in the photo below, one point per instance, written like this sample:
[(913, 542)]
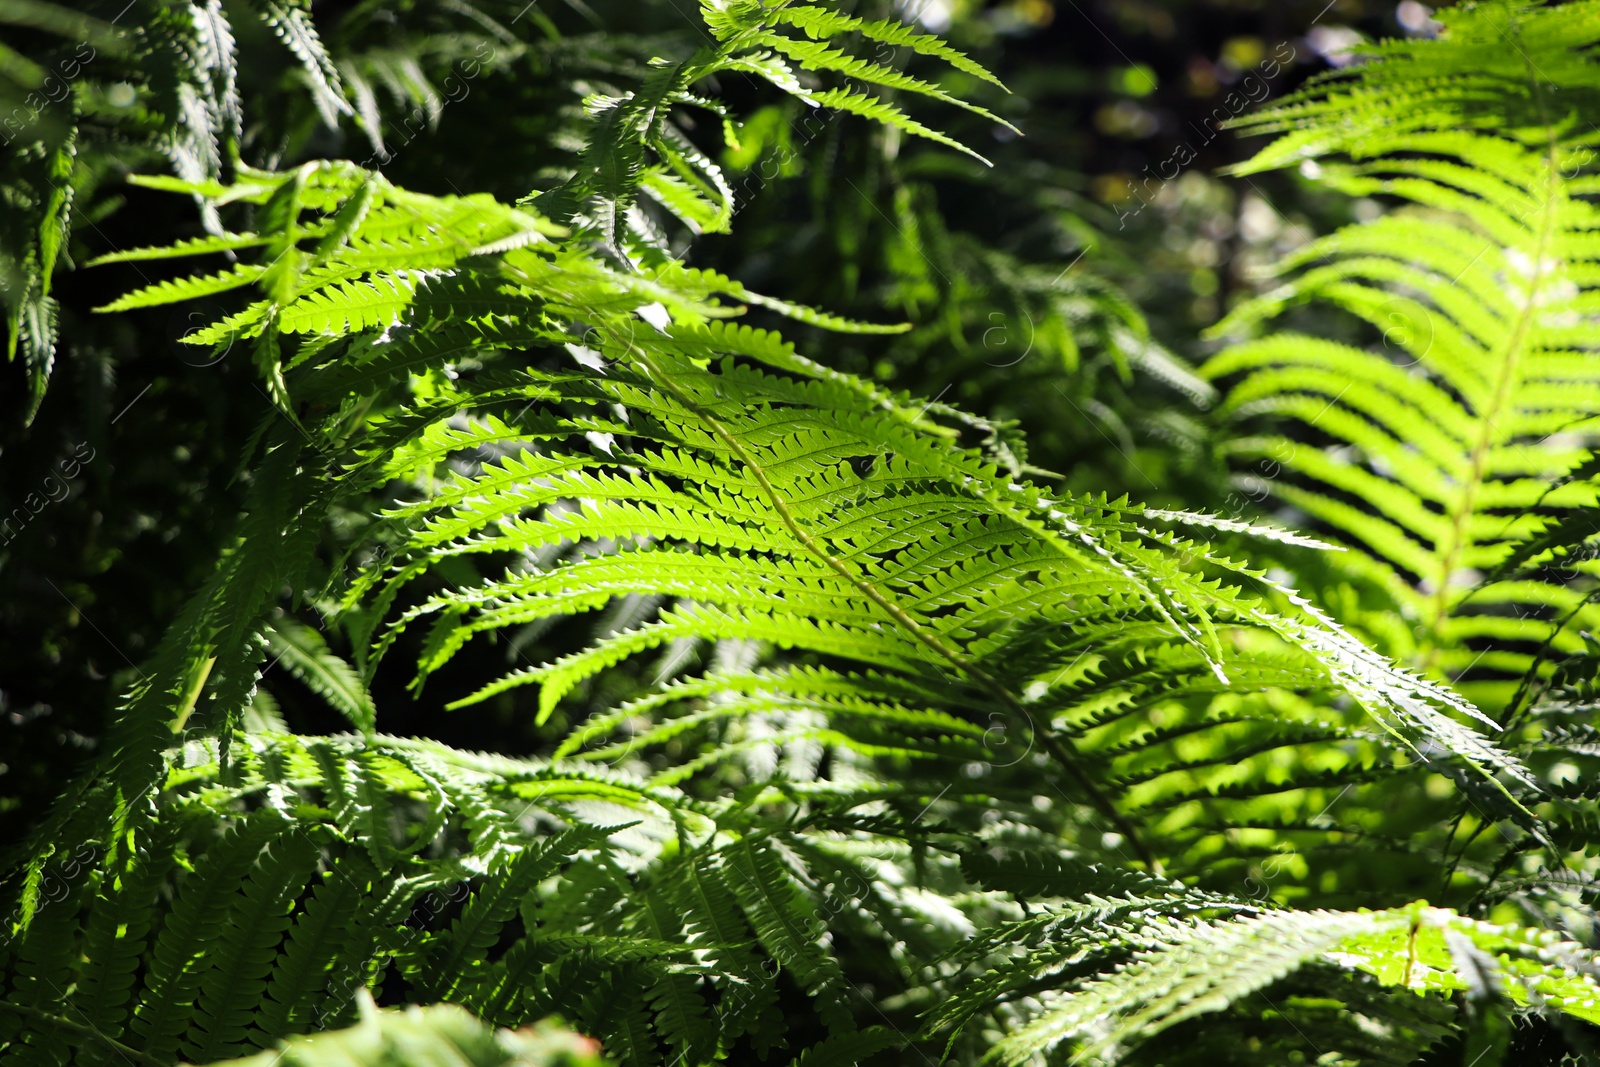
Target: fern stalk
[(127, 1052)]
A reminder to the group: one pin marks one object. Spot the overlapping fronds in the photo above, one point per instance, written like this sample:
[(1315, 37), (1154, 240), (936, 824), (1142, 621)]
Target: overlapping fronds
[(861, 742), (122, 81), (1179, 968), (159, 75), (266, 899), (269, 895), (623, 446), (753, 496), (1432, 449)]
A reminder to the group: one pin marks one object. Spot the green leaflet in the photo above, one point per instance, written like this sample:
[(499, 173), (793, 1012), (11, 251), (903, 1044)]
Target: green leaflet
[(304, 653)]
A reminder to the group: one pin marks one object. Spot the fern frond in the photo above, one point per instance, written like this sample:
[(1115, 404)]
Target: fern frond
[(303, 652), (321, 950), (1180, 969), (179, 965), (497, 900), (242, 957), (292, 23), (1446, 426), (841, 667), (784, 540)]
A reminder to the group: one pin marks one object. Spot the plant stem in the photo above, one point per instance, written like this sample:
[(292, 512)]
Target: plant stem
[(80, 1028)]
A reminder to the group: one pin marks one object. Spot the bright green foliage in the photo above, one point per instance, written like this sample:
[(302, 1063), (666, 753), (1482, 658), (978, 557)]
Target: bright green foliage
[(824, 516), (1430, 455), (636, 147), (864, 744), (1182, 968)]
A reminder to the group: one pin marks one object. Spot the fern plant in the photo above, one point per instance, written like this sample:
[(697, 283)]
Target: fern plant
[(862, 744), (1451, 456)]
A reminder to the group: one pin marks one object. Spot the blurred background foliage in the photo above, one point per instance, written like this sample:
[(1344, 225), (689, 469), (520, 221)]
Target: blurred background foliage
[(1062, 291)]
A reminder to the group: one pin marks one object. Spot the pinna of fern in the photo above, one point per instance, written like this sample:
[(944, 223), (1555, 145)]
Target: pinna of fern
[(636, 149)]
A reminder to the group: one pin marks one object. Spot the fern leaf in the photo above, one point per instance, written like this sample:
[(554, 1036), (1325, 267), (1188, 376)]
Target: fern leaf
[(303, 652), (784, 919), (292, 23), (1445, 427), (179, 965), (118, 936), (242, 957), (323, 941), (822, 23), (471, 935)]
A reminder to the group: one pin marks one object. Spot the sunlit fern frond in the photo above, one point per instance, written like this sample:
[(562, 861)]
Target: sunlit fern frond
[(1432, 449), (1179, 969)]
